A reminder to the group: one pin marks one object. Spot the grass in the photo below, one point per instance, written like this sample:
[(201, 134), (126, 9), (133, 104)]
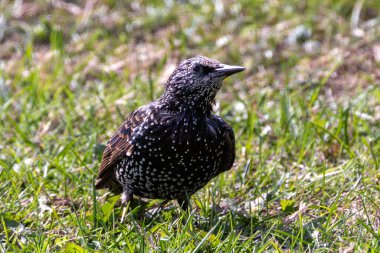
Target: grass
[(306, 115)]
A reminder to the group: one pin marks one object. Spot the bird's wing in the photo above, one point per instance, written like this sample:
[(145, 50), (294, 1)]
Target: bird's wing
[(119, 146), (228, 156)]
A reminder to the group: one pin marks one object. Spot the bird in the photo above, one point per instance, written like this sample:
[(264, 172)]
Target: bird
[(172, 147)]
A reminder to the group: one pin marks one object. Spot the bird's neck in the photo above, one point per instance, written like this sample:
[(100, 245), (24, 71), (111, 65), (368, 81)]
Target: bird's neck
[(187, 106)]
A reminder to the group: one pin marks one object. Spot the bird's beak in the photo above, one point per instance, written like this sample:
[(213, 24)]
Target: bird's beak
[(226, 70)]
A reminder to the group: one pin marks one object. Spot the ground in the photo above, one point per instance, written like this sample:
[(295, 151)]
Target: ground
[(306, 115)]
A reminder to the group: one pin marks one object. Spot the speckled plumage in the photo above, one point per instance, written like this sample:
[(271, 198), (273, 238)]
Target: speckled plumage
[(173, 146)]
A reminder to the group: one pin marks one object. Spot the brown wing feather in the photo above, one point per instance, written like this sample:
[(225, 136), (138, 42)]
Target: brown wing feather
[(118, 147)]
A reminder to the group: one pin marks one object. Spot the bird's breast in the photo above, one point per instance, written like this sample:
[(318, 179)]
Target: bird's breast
[(179, 158)]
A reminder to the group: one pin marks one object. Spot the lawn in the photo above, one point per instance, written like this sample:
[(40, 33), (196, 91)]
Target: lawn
[(306, 116)]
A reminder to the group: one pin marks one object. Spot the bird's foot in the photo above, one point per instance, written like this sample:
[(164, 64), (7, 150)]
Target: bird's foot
[(156, 210), (184, 204)]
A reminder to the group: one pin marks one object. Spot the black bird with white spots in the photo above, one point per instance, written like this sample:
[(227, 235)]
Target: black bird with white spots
[(172, 147)]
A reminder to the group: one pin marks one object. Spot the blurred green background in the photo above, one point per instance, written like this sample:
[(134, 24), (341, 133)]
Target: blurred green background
[(305, 112)]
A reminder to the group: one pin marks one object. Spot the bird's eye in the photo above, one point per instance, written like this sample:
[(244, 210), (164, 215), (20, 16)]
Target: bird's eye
[(202, 69), (197, 68)]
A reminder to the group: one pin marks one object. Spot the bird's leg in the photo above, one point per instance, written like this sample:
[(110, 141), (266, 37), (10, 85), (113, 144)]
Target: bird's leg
[(126, 198), (184, 203)]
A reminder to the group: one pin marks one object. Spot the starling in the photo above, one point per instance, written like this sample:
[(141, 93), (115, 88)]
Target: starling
[(172, 147)]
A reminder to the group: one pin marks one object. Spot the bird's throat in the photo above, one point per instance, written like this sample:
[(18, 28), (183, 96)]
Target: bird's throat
[(188, 106)]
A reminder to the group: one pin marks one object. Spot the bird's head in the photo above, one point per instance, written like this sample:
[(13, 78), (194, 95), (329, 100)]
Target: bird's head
[(195, 82)]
